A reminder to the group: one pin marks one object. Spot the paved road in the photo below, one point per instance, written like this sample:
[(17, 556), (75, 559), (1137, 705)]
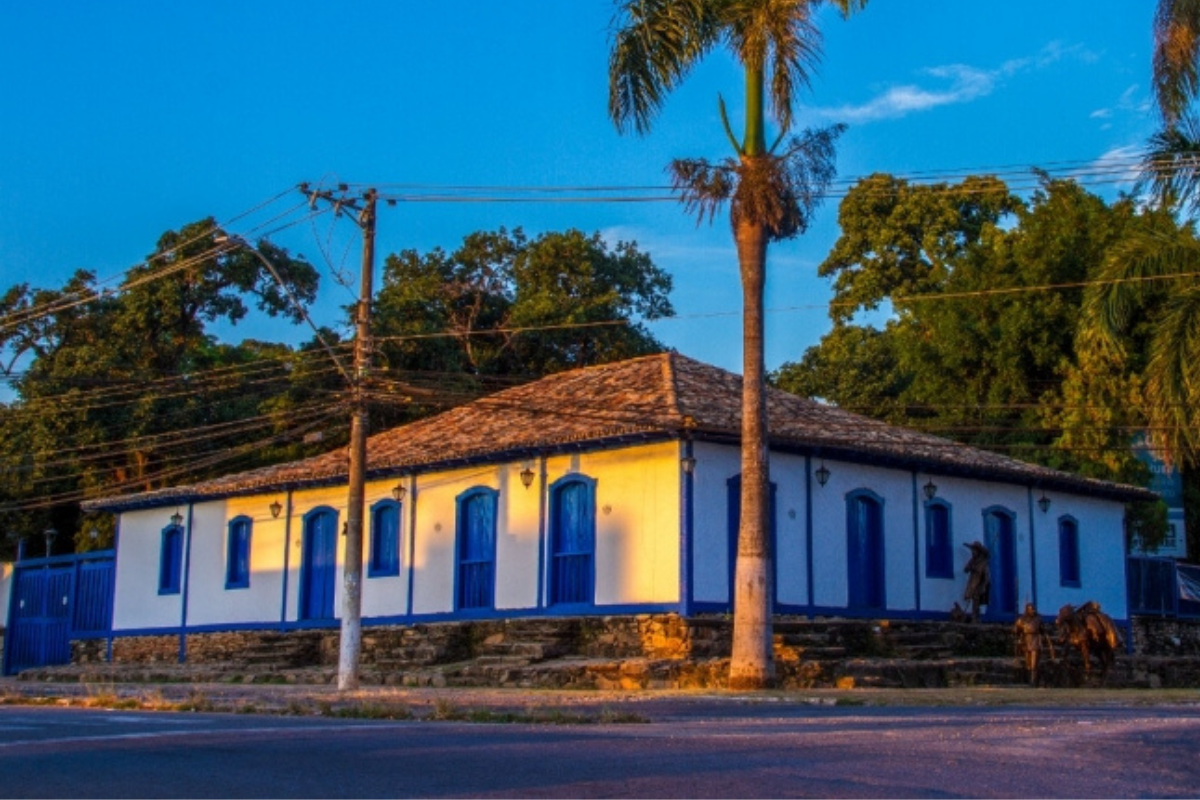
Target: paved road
[(737, 750)]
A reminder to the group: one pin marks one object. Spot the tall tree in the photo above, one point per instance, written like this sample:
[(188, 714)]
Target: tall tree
[(502, 306), (976, 347), (114, 380), (772, 191)]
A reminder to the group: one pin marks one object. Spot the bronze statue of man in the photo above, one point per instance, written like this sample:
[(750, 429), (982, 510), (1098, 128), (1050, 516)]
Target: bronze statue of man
[(1028, 631), (979, 578)]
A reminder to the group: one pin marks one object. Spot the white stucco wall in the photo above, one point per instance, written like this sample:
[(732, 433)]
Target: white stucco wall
[(715, 465), (906, 581), (637, 520), (6, 575), (637, 543), (209, 602), (637, 555), (830, 577), (1101, 554), (136, 601)]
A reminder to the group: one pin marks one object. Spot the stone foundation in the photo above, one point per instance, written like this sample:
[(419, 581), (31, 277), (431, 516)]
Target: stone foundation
[(1159, 636), (644, 651)]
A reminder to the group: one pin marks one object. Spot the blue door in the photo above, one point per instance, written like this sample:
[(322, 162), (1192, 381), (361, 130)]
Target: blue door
[(864, 555), (318, 564), (41, 619), (572, 543), (733, 489), (476, 549), (1000, 540)]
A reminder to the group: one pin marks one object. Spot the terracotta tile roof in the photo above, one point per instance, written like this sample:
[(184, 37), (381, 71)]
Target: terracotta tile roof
[(654, 397)]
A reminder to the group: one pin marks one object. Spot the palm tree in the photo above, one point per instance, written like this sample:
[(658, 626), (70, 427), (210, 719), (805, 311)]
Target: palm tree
[(1143, 312), (1176, 56), (772, 191), (1172, 162)]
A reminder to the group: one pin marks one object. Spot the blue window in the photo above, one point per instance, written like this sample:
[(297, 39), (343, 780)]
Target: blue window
[(939, 550), (237, 554), (385, 540), (1068, 551), (170, 560), (476, 548), (573, 541)]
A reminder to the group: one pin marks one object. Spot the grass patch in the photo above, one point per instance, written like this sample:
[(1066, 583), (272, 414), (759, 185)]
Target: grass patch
[(367, 711)]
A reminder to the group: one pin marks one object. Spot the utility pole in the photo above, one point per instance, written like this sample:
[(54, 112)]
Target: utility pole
[(351, 625)]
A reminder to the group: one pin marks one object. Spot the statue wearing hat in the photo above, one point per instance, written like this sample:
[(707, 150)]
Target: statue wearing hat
[(979, 578)]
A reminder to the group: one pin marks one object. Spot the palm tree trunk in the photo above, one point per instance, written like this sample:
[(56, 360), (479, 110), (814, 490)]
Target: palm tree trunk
[(751, 665)]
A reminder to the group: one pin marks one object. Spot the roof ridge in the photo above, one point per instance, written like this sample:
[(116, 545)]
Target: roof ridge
[(668, 370)]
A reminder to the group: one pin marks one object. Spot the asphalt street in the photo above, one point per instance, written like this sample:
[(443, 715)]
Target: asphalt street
[(734, 750)]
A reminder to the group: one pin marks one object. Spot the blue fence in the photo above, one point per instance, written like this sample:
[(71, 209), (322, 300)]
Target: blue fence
[(1164, 588), (54, 600)]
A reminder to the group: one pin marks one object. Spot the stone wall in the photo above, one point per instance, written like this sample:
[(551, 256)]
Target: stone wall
[(1158, 636), (638, 651)]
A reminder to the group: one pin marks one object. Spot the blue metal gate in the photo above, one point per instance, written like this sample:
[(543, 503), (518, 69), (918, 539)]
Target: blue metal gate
[(55, 600)]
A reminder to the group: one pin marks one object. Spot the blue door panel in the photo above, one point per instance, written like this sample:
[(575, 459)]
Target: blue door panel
[(476, 550), (733, 488), (51, 603), (573, 545), (318, 566), (1002, 552), (864, 560)]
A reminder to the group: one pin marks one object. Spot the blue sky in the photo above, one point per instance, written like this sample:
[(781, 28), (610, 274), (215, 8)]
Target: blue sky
[(121, 120)]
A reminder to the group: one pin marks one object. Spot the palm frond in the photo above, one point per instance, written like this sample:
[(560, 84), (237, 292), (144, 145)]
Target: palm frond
[(1124, 278), (1176, 62), (1171, 166), (781, 192), (702, 186), (1173, 388), (655, 45), (779, 37)]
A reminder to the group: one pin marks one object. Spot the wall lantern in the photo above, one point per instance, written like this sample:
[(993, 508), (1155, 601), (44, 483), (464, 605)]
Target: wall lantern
[(177, 519), (688, 463), (527, 477), (1044, 502), (822, 474), (50, 535), (276, 509), (930, 490), (398, 492)]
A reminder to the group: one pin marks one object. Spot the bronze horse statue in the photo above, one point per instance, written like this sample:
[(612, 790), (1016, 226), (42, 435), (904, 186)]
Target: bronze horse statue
[(1091, 632)]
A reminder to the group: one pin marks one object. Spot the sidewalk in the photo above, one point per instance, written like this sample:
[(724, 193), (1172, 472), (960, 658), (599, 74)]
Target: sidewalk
[(547, 705)]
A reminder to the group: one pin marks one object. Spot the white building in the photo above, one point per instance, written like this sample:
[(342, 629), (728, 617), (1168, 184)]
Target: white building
[(613, 489)]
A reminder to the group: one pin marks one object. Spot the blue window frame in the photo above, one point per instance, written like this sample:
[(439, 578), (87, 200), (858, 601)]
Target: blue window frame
[(1068, 551), (384, 558), (939, 541), (476, 547), (170, 560), (573, 541), (237, 554)]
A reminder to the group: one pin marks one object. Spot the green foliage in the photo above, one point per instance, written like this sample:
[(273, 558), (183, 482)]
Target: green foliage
[(1146, 523), (503, 306), (977, 348), (127, 390)]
